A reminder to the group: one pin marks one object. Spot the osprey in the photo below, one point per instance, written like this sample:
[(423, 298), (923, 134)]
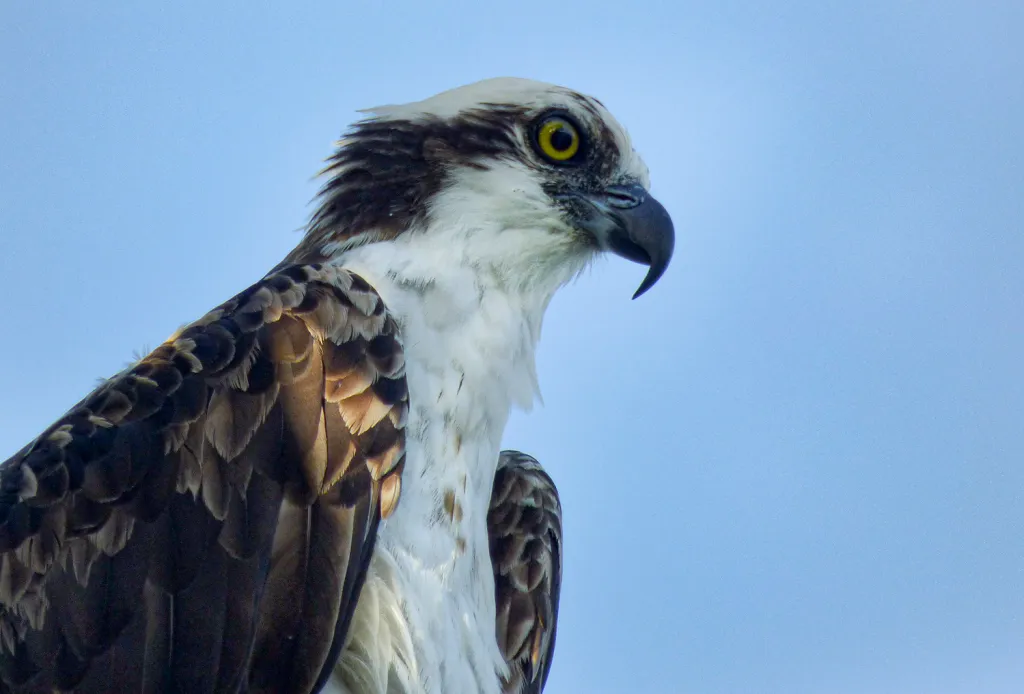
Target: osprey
[(303, 489)]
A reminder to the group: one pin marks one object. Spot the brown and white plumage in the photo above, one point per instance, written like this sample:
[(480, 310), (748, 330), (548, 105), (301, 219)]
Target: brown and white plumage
[(204, 485), (525, 527), (302, 490)]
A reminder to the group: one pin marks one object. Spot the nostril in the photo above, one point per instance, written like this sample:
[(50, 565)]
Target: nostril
[(624, 197)]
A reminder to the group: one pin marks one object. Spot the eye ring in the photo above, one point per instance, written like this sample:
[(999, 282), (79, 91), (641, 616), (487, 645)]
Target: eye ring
[(558, 139)]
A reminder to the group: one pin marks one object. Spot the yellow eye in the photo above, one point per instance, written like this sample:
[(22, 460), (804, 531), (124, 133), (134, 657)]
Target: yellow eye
[(558, 139)]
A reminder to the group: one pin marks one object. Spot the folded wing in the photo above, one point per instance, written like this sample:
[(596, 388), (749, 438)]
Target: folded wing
[(203, 521), (525, 527)]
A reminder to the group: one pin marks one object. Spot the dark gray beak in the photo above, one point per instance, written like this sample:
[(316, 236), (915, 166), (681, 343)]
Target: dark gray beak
[(627, 221)]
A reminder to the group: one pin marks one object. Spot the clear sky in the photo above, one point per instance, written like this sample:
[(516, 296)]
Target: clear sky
[(795, 467)]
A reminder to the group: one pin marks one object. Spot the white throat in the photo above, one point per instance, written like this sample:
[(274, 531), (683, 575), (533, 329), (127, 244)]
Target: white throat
[(469, 323), (470, 291)]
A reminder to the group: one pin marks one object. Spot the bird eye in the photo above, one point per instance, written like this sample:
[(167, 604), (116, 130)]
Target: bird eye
[(558, 139)]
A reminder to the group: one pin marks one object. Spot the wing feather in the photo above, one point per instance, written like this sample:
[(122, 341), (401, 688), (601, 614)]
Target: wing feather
[(203, 521), (525, 527)]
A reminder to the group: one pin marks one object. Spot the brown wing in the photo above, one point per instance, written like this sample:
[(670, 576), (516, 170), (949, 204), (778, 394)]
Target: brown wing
[(525, 527), (203, 521)]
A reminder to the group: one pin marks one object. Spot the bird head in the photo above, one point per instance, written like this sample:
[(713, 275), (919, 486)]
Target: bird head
[(528, 179)]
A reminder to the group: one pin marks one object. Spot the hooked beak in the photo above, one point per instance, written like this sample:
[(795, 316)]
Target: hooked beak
[(627, 221)]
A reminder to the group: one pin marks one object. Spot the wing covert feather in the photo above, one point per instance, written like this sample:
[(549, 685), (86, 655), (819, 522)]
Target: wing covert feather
[(524, 523), (203, 521)]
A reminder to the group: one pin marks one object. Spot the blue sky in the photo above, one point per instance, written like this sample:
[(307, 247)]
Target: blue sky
[(795, 467)]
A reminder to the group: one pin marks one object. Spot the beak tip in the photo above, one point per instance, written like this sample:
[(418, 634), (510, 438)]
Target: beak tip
[(653, 275), (657, 238)]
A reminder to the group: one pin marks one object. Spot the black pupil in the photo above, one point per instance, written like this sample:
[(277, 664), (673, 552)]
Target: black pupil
[(561, 140)]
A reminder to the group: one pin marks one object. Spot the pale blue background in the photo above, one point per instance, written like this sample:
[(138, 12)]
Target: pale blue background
[(795, 467)]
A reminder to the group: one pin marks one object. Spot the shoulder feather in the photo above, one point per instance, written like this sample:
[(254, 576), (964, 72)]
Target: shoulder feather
[(203, 521)]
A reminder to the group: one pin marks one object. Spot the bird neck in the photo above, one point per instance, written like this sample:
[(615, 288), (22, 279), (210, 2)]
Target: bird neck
[(469, 335), (469, 338)]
